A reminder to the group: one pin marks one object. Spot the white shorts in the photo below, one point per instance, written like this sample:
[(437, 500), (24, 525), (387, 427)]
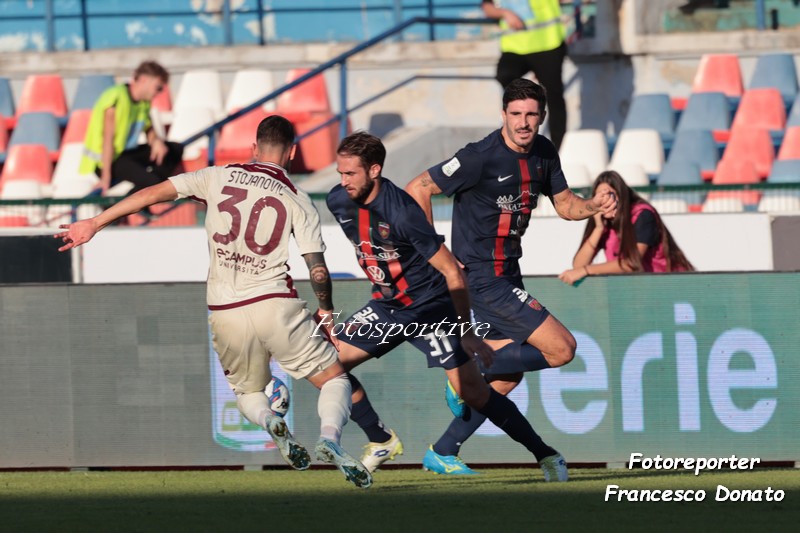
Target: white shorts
[(246, 337)]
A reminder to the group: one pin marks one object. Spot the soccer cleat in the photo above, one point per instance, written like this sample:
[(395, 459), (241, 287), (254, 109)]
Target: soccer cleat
[(354, 472), (454, 401), (377, 453), (292, 451), (554, 468), (445, 464)]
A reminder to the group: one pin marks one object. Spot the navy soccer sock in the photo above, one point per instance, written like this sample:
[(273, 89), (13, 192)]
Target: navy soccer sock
[(365, 416), (457, 432), (505, 415), (514, 357)]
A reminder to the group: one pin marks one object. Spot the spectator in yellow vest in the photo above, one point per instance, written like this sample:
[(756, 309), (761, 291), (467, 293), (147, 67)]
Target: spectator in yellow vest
[(119, 117), (533, 40)]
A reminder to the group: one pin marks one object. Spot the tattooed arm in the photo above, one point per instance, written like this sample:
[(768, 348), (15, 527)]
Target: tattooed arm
[(421, 189), (320, 280), (569, 206)]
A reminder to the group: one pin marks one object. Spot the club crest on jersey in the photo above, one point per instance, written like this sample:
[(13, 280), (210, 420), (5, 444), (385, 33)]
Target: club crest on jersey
[(534, 304), (383, 230)]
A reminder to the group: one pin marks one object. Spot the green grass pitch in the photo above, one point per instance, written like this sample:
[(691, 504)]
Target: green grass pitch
[(498, 500)]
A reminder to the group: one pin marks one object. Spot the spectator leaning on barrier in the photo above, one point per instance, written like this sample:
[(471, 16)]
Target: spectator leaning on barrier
[(635, 239), (119, 117)]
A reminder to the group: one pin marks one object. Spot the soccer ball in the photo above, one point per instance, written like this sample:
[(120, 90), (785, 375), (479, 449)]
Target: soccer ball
[(278, 396)]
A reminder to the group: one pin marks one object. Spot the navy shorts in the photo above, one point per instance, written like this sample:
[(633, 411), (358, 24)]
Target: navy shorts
[(505, 305), (430, 327)]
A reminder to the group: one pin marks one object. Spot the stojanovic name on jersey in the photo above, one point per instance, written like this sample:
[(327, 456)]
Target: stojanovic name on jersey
[(241, 177)]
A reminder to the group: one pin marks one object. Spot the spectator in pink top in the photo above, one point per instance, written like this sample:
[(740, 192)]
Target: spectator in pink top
[(634, 237)]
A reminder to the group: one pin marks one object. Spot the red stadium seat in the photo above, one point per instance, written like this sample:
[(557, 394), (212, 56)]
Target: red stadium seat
[(761, 108), (43, 93), (3, 135), (318, 150), (790, 148), (751, 144), (27, 162), (236, 139), (719, 73), (309, 97), (163, 100), (13, 221), (75, 131), (736, 171)]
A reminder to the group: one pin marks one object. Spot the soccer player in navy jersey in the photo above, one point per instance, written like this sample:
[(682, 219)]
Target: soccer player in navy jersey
[(496, 183), (417, 283)]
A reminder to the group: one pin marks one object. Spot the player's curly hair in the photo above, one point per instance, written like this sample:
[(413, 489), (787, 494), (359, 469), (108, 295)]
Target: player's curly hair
[(368, 148)]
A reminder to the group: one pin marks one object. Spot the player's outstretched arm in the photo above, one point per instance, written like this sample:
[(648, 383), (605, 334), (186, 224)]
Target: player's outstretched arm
[(82, 231), (569, 206), (421, 189), (446, 263)]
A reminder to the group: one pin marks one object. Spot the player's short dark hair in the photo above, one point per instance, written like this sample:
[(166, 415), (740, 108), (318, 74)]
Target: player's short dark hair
[(275, 130), (367, 147), (151, 68), (522, 89)]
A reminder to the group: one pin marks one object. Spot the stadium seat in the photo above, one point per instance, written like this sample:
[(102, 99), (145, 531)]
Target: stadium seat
[(236, 139), (27, 162), (794, 115), (777, 71), (187, 121), (248, 86), (719, 73), (785, 171), (43, 92), (77, 124), (309, 97), (90, 87), (161, 110), (200, 89), (641, 147), (680, 172), (577, 175), (652, 111), (750, 144), (669, 206), (707, 111), (723, 205), (761, 108), (736, 171), (695, 146), (585, 147), (783, 203), (8, 220), (7, 108), (3, 136), (317, 150), (633, 174), (38, 128), (790, 148), (68, 164), (24, 190)]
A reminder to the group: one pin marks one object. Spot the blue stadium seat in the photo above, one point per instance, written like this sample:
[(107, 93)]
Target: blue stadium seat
[(777, 71), (680, 172), (7, 108), (794, 115), (696, 146), (37, 128), (652, 111), (90, 87), (785, 171), (706, 111)]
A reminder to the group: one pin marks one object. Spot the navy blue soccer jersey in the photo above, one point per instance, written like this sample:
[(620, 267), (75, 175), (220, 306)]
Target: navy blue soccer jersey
[(393, 242), (495, 191)]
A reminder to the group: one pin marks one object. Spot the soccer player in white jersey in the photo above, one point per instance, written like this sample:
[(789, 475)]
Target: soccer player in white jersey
[(256, 314)]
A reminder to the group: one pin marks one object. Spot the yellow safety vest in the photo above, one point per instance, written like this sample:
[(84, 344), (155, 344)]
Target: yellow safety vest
[(130, 120), (544, 28)]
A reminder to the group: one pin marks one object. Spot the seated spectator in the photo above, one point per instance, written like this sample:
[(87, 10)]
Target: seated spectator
[(120, 115), (634, 237)]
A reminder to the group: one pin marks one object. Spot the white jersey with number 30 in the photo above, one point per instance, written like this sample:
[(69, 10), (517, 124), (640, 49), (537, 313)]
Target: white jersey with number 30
[(253, 208)]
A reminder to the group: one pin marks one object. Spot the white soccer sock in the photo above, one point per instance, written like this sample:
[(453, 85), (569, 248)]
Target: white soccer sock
[(334, 407), (255, 407)]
